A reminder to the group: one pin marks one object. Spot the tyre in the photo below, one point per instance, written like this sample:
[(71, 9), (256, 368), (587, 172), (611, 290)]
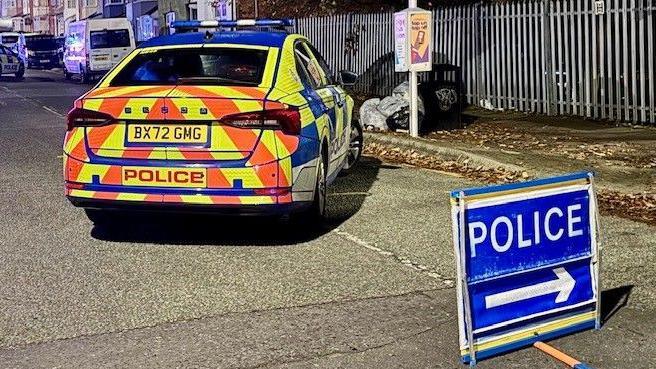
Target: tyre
[(356, 144), (317, 211), (67, 76), (21, 71), (447, 98), (84, 77)]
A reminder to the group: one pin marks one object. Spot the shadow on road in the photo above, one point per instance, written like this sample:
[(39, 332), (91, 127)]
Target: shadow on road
[(613, 300), (345, 199), (11, 79)]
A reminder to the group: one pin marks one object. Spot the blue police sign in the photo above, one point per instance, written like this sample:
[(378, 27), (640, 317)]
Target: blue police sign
[(527, 263)]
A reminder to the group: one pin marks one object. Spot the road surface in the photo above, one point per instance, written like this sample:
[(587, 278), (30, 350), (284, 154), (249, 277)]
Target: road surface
[(373, 288)]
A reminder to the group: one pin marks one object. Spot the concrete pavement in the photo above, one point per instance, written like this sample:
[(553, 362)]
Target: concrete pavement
[(374, 287)]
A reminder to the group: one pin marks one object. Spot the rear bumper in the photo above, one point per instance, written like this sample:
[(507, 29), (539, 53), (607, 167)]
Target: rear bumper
[(35, 62), (193, 208)]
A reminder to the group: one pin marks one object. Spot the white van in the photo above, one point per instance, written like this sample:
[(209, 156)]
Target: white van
[(94, 46)]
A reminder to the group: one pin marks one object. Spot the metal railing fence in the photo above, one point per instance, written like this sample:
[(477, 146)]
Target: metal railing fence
[(545, 56)]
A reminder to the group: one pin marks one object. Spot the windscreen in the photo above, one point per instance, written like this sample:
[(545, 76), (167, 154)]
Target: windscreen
[(9, 39), (110, 38), (41, 43), (195, 66)]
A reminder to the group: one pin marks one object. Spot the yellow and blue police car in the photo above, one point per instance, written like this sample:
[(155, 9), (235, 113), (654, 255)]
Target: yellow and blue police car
[(242, 121), (10, 63)]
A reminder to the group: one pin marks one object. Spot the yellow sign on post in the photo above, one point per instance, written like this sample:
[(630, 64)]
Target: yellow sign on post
[(421, 38)]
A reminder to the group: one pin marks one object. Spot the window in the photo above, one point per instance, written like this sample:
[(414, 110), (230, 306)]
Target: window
[(195, 66), (110, 38), (192, 11), (71, 3), (306, 68), (9, 39), (91, 3), (328, 74), (41, 43)]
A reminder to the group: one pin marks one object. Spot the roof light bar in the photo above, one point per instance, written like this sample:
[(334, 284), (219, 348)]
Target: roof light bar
[(236, 23)]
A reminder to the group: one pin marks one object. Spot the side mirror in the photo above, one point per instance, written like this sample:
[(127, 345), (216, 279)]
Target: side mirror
[(347, 78)]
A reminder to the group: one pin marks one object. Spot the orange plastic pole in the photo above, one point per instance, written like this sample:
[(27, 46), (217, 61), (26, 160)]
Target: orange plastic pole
[(558, 355)]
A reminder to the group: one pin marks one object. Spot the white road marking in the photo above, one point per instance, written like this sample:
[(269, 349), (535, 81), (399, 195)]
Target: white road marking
[(33, 102), (405, 261), (53, 111), (349, 194)]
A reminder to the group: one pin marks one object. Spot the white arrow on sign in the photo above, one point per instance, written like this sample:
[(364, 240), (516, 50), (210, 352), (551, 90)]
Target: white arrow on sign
[(564, 284)]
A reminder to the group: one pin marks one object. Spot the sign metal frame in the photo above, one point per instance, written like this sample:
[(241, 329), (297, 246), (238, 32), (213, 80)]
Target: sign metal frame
[(538, 325)]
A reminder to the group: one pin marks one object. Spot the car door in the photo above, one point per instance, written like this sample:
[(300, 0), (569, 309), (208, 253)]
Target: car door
[(342, 112), (121, 44), (8, 61), (3, 60), (320, 90)]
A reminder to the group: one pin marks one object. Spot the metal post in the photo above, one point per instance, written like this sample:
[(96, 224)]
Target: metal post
[(234, 10), (412, 80), (469, 326), (548, 56), (256, 9), (597, 244), (477, 35)]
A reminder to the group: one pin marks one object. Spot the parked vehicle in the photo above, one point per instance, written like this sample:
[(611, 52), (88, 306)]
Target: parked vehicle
[(10, 63), (213, 122), (94, 46), (42, 51), (60, 50)]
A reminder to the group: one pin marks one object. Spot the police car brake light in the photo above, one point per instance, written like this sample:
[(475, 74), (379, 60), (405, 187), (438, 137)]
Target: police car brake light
[(79, 117), (235, 23), (287, 120)]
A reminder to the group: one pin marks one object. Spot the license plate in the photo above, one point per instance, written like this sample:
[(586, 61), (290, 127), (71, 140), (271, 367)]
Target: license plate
[(167, 133), (11, 67), (164, 177), (101, 57), (45, 60)]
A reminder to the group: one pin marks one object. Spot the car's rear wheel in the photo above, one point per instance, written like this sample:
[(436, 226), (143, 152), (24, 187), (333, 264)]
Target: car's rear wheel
[(84, 77), (21, 71), (317, 211), (355, 147)]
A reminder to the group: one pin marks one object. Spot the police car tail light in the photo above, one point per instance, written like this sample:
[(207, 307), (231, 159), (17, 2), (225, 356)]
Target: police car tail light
[(78, 117), (287, 120)]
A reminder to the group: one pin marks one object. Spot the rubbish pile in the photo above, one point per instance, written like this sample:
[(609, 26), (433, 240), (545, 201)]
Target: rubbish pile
[(391, 112)]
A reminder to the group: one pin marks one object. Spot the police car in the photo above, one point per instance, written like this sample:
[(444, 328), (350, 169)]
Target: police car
[(242, 121), (10, 63)]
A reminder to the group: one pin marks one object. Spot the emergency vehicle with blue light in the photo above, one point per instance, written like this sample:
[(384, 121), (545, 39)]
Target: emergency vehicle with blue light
[(11, 63), (236, 120)]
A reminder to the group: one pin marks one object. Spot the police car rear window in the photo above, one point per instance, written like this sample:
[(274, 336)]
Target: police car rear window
[(194, 66), (9, 39)]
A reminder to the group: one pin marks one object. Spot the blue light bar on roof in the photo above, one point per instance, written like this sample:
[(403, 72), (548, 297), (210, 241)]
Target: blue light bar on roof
[(236, 23)]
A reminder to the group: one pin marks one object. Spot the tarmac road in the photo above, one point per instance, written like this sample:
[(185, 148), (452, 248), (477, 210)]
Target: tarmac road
[(372, 288)]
